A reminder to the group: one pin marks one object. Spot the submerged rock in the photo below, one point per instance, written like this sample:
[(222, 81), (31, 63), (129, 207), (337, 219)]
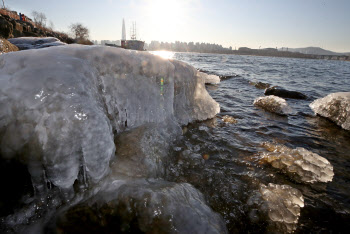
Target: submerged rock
[(229, 119), (260, 85), (299, 163), (284, 93), (273, 104), (336, 107), (142, 206), (283, 205)]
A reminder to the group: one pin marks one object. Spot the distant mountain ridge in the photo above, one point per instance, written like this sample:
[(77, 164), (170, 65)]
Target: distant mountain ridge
[(316, 51)]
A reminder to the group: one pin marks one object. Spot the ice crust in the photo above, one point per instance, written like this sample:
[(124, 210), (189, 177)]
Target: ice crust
[(210, 79), (299, 163), (155, 206), (336, 107), (62, 107), (273, 104), (283, 203), (26, 43)]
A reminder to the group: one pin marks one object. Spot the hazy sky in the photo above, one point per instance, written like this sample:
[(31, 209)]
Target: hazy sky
[(236, 23)]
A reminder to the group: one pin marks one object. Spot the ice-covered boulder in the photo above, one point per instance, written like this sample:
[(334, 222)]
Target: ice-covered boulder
[(26, 43), (152, 206), (273, 104), (336, 107), (283, 205), (299, 163), (210, 79), (62, 107)]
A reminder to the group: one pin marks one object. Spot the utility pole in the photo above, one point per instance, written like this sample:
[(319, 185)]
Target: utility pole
[(3, 3)]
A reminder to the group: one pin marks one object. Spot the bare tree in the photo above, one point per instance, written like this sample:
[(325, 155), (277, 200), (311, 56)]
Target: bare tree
[(3, 4), (39, 18), (80, 32)]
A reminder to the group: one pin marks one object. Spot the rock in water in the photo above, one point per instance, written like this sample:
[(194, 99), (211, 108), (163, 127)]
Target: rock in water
[(273, 104), (284, 93), (283, 203), (142, 206), (210, 79), (336, 107), (62, 106), (299, 163)]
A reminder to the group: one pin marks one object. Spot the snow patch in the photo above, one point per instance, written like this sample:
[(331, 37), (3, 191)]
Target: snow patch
[(336, 107)]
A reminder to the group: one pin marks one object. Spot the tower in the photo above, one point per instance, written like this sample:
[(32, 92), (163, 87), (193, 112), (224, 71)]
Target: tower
[(123, 41)]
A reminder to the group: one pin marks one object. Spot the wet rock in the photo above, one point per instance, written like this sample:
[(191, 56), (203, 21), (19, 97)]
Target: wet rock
[(273, 104), (142, 206), (284, 93), (300, 164), (229, 119), (336, 107), (260, 85)]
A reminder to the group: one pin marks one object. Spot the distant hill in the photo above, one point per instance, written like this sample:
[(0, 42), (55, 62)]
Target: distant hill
[(316, 51)]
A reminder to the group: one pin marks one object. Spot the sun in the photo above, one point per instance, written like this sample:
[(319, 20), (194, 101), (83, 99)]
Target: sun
[(166, 15)]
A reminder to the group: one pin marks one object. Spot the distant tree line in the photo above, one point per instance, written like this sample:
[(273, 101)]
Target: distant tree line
[(188, 47)]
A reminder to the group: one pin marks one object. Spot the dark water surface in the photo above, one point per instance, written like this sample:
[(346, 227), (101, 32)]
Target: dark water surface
[(233, 172)]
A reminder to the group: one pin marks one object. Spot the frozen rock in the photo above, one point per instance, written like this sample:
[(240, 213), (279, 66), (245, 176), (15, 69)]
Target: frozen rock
[(143, 206), (61, 107), (299, 163), (336, 107), (26, 43), (273, 104), (210, 79), (283, 205)]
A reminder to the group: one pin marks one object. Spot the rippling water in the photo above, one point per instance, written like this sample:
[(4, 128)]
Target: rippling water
[(232, 171)]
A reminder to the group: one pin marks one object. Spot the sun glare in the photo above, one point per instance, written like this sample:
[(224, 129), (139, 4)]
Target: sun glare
[(167, 15), (164, 54)]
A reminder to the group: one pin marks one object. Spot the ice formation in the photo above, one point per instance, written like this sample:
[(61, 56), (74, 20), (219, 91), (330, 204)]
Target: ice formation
[(229, 119), (153, 206), (61, 107), (299, 163), (26, 43), (210, 79), (336, 107), (273, 104), (283, 203)]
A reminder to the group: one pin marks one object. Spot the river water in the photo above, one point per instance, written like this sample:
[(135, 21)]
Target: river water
[(232, 170)]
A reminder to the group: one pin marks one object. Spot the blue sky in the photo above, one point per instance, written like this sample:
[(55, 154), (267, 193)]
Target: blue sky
[(236, 23)]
